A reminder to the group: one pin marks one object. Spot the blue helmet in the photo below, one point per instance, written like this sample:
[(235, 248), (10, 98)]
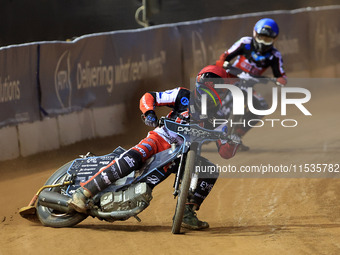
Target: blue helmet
[(265, 32), (267, 27)]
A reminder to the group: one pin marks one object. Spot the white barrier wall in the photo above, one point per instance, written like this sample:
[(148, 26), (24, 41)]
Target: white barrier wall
[(38, 136), (31, 138), (9, 148)]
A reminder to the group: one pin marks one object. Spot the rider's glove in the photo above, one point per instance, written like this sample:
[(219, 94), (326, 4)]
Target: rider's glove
[(150, 119), (281, 81), (225, 64), (234, 139)]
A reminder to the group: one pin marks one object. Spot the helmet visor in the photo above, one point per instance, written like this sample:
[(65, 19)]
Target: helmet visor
[(266, 40)]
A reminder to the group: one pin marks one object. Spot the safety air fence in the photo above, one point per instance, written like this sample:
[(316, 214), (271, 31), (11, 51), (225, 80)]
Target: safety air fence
[(57, 93)]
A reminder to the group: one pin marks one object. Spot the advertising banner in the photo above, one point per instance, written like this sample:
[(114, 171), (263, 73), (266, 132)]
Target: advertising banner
[(18, 85), (66, 69), (107, 69)]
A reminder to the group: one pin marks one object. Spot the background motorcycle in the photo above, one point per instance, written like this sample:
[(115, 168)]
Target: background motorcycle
[(244, 81)]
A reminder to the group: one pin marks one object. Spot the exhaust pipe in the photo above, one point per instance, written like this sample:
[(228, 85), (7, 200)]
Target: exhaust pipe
[(55, 201), (119, 215)]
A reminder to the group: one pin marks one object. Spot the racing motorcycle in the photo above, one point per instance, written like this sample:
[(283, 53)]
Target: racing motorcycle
[(243, 81), (130, 195)]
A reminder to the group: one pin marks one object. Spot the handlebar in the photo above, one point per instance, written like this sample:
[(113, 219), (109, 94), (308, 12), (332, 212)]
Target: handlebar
[(218, 134), (195, 130), (239, 73)]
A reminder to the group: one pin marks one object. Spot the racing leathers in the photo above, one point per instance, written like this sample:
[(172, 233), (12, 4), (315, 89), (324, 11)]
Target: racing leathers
[(158, 140), (254, 63), (251, 61)]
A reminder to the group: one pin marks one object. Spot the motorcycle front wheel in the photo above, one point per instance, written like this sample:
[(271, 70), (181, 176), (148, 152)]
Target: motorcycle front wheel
[(53, 218), (183, 192)]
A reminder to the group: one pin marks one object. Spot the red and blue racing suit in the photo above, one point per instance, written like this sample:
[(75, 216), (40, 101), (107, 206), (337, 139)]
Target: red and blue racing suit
[(159, 140), (254, 63)]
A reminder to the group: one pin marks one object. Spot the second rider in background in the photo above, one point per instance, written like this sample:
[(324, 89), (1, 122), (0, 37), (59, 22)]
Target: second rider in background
[(254, 55)]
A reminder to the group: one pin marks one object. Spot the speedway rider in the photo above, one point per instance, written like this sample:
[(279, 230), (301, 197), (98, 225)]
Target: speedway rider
[(160, 139), (254, 55)]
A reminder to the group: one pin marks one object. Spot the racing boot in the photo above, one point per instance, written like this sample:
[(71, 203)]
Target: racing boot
[(78, 200), (190, 220)]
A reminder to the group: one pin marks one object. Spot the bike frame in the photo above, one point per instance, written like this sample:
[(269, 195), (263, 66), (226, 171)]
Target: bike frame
[(193, 138)]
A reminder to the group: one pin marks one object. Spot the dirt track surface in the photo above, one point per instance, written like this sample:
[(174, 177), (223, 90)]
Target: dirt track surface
[(247, 215)]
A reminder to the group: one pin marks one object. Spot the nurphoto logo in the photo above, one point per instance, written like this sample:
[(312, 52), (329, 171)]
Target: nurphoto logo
[(238, 105)]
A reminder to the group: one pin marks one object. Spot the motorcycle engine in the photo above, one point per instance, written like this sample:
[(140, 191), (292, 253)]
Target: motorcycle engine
[(126, 199)]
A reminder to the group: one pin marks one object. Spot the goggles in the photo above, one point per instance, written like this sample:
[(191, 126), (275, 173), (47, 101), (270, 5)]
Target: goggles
[(266, 40)]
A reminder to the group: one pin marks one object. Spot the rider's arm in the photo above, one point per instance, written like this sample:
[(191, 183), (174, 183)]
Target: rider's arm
[(236, 50), (150, 100), (277, 67), (147, 102)]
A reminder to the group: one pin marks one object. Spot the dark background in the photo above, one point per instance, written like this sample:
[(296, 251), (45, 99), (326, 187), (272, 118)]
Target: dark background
[(47, 20)]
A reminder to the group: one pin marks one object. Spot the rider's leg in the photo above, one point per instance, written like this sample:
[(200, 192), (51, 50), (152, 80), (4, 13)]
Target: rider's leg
[(119, 168), (205, 183), (129, 161)]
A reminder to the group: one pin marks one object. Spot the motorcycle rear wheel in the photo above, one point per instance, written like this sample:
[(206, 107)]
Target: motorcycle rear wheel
[(183, 192), (53, 218)]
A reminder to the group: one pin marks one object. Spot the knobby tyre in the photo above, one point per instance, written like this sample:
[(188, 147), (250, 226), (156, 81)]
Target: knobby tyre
[(53, 218), (183, 192)]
